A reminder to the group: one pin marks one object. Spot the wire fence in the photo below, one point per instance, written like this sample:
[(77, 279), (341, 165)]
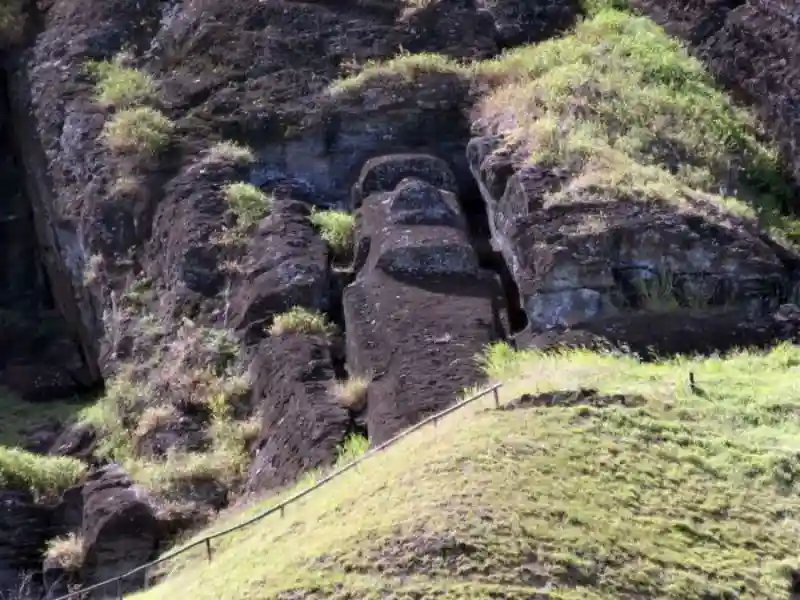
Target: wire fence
[(114, 585)]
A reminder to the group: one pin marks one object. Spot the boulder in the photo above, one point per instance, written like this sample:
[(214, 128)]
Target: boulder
[(384, 173), (68, 513), (302, 424), (120, 530), (179, 432), (524, 21), (78, 440), (287, 265)]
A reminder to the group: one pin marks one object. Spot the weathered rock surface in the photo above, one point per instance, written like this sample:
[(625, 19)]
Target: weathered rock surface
[(287, 265), (180, 432), (420, 307), (751, 46), (39, 356), (653, 336), (24, 531), (119, 528), (518, 22), (588, 259), (302, 424), (78, 440)]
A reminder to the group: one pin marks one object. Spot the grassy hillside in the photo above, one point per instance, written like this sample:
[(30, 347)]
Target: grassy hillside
[(671, 495)]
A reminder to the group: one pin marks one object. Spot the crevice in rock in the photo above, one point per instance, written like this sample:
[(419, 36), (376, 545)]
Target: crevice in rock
[(474, 208), (49, 361), (340, 278)]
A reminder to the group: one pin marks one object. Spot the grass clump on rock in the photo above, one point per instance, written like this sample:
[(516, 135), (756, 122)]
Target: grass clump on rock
[(249, 203), (121, 86), (405, 67), (670, 494), (352, 394), (337, 229), (141, 130), (301, 320), (228, 151)]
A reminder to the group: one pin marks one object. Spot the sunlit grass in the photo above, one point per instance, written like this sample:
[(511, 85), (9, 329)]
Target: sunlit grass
[(686, 496)]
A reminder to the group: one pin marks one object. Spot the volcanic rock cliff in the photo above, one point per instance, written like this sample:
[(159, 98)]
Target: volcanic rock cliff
[(161, 237)]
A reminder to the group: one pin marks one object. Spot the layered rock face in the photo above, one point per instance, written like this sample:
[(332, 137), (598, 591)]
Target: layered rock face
[(25, 528), (638, 275), (119, 529), (588, 259)]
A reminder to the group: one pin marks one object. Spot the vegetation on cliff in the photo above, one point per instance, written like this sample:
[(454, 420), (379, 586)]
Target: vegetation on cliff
[(620, 105), (603, 477)]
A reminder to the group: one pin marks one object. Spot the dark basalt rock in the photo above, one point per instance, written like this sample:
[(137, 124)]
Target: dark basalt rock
[(120, 530)]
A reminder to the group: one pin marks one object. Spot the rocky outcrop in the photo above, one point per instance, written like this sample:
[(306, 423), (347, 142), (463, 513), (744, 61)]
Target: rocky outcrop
[(108, 225), (420, 307), (751, 46), (587, 259), (119, 528), (302, 424)]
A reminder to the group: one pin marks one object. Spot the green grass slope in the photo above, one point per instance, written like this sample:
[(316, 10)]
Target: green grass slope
[(682, 495)]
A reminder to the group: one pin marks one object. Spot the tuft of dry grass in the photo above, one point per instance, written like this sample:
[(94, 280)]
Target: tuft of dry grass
[(142, 130), (351, 394), (66, 552), (154, 417), (227, 151), (301, 320)]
